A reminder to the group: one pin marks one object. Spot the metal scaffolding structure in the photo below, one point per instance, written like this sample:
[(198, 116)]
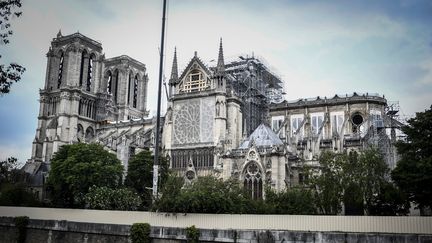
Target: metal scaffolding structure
[(251, 80)]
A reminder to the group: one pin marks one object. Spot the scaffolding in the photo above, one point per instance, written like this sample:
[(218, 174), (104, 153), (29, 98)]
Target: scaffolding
[(253, 82)]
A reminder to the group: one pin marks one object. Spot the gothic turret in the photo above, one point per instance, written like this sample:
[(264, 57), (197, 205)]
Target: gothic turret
[(219, 72), (174, 74), (220, 68)]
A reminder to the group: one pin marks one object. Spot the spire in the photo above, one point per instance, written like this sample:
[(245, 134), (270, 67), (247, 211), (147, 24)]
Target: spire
[(174, 70), (220, 68), (59, 34)]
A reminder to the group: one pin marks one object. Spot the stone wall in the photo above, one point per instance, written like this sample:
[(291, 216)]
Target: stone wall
[(53, 231)]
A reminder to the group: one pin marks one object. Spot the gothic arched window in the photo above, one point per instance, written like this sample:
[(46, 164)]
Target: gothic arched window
[(80, 133), (116, 79), (129, 87), (90, 73), (253, 182), (60, 73), (135, 92), (83, 56), (109, 83), (89, 134)]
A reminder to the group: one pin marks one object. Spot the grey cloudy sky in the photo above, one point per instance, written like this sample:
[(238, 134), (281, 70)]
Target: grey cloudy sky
[(319, 48)]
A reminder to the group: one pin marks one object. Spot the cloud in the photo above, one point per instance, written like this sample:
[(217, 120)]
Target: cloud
[(319, 48)]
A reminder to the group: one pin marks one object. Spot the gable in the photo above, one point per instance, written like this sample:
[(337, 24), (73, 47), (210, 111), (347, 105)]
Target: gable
[(195, 77)]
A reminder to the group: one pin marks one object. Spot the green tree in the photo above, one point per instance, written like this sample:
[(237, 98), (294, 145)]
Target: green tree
[(171, 191), (12, 72), (140, 175), (389, 201), (359, 180), (413, 172), (327, 182), (75, 168)]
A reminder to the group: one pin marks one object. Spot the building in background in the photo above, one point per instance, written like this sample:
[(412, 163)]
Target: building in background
[(228, 120), (90, 98)]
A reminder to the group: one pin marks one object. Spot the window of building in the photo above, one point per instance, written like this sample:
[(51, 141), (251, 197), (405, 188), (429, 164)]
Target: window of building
[(297, 127), (116, 80), (89, 73), (376, 118), (317, 120), (277, 122), (60, 73), (129, 87), (80, 133), (253, 182), (89, 134), (336, 122), (83, 55), (195, 82), (109, 83), (135, 92)]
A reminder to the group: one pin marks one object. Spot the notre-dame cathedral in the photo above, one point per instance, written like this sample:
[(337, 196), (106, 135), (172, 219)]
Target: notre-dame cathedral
[(230, 120)]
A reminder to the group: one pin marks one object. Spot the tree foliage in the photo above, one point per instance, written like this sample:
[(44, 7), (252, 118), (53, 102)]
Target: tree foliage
[(357, 180), (10, 173), (75, 168), (211, 195), (140, 175), (112, 199), (290, 201), (17, 195), (205, 195), (413, 173), (328, 182), (13, 71)]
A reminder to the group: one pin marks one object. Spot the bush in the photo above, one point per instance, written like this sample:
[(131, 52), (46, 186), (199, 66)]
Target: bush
[(140, 233), (112, 199), (290, 201), (17, 195), (192, 234), (21, 223)]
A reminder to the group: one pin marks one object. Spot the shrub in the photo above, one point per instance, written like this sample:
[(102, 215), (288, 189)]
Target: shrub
[(192, 234), (17, 195), (140, 233), (21, 223), (112, 199)]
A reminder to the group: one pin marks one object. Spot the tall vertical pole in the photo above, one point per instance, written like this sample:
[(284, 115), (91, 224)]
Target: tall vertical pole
[(156, 151)]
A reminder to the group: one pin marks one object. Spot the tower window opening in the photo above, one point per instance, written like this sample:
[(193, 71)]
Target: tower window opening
[(109, 83), (82, 69), (129, 88), (89, 73), (135, 92), (60, 71), (116, 75)]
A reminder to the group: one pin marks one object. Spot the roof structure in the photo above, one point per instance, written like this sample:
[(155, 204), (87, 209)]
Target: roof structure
[(263, 136)]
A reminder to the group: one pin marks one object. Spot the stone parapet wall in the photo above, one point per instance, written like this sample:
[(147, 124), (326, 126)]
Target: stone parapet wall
[(53, 231)]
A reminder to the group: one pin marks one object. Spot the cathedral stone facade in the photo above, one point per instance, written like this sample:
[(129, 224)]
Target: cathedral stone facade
[(228, 120)]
